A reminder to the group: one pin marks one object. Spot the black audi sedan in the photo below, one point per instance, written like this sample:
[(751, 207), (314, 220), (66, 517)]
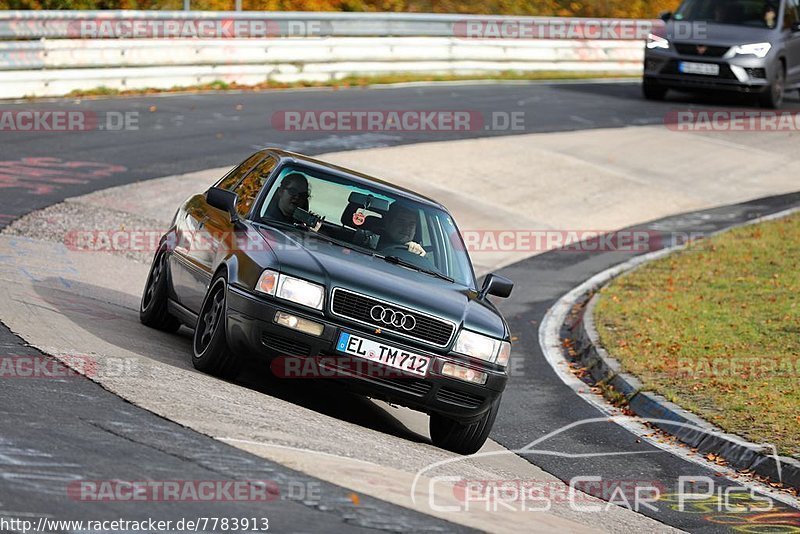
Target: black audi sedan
[(327, 273)]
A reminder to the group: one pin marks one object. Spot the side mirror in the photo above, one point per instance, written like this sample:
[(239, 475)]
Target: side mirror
[(665, 15), (496, 285), (223, 200)]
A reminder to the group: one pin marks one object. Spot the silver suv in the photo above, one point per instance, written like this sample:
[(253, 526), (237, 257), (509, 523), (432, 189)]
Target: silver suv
[(749, 46)]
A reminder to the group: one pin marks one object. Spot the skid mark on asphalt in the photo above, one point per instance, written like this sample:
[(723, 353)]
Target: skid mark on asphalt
[(43, 176)]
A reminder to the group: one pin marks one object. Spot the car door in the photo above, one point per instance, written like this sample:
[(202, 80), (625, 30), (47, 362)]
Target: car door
[(792, 41), (187, 262)]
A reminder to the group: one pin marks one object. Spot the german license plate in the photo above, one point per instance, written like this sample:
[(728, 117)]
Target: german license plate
[(385, 354), (707, 69)]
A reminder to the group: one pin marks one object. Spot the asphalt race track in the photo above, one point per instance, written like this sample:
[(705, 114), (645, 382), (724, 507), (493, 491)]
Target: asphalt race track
[(60, 431)]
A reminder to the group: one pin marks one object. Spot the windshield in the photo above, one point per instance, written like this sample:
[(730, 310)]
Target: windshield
[(370, 219), (755, 13)]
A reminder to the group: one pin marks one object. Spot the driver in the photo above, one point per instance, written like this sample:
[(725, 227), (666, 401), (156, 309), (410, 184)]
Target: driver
[(399, 229)]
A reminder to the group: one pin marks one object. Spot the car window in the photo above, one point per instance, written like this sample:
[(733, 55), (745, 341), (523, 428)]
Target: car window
[(755, 13), (369, 217), (232, 179), (248, 189)]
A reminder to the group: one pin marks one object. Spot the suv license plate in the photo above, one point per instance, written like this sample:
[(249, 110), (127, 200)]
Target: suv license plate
[(708, 69), (378, 352)]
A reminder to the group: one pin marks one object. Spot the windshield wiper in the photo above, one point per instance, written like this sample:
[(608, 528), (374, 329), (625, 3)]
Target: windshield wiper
[(405, 263)]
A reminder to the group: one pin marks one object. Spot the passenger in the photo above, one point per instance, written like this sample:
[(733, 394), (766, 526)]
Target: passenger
[(291, 194), (770, 16), (721, 13)]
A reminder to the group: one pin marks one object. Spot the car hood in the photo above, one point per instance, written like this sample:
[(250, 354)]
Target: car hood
[(718, 34), (305, 256)]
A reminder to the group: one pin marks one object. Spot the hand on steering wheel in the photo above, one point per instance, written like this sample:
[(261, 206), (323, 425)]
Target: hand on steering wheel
[(412, 247)]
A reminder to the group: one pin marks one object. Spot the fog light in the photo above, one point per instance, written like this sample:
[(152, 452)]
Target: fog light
[(463, 373), (298, 323)]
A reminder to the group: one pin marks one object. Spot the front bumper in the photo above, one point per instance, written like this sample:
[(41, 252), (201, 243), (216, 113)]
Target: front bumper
[(744, 74), (251, 329)]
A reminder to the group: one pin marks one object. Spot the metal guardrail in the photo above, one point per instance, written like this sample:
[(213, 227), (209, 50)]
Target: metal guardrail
[(21, 55), (43, 61), (64, 54)]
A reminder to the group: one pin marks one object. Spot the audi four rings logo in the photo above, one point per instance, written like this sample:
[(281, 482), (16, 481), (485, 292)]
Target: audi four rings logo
[(393, 318)]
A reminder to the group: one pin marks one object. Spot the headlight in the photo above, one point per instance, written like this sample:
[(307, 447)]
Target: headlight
[(654, 41), (759, 50), (291, 289), (482, 347)]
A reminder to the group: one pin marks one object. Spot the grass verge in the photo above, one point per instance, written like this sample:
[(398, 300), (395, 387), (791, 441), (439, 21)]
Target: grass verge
[(355, 81), (716, 329)]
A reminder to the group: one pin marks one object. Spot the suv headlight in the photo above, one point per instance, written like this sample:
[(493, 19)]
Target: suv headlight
[(482, 347), (654, 41), (292, 289), (759, 50)]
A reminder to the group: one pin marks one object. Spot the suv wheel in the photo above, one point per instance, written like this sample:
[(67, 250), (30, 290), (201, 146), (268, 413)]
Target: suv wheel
[(210, 345), (462, 437), (153, 311), (773, 97), (652, 90)]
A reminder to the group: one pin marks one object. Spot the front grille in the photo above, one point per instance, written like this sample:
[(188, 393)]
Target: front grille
[(690, 49), (357, 308), (460, 398), (413, 386), (286, 347)]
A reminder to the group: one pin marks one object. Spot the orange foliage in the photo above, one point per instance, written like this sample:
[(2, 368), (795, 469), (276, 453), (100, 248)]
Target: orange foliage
[(559, 8)]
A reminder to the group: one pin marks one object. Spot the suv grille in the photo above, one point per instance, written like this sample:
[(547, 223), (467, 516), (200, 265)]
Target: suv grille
[(690, 49), (358, 308), (725, 72)]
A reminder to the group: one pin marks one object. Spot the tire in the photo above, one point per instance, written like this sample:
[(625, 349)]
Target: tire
[(153, 310), (460, 437), (653, 91), (773, 97), (211, 353)]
